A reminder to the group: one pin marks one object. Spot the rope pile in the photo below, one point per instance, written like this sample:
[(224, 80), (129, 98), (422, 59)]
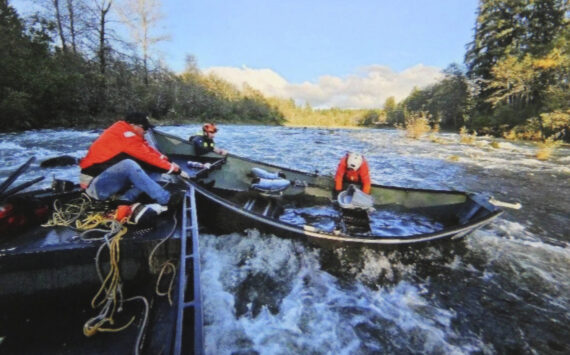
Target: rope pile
[(92, 217)]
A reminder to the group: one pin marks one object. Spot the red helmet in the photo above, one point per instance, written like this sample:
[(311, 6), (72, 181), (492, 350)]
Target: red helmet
[(209, 128)]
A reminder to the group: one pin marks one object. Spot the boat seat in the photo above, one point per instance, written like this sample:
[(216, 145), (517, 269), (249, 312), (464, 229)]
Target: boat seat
[(270, 186), (265, 206), (264, 174)]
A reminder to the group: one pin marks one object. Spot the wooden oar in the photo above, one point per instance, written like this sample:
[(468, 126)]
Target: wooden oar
[(20, 187), (16, 174), (514, 206)]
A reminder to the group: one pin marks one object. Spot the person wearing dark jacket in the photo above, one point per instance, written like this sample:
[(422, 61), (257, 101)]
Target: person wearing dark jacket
[(204, 143), (114, 163), (352, 169)]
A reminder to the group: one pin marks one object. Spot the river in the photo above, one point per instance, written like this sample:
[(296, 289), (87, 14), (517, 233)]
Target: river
[(504, 289)]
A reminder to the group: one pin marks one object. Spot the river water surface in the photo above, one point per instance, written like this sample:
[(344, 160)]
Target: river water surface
[(503, 289)]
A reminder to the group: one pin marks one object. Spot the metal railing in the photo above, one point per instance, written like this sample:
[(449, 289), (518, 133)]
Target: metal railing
[(189, 294)]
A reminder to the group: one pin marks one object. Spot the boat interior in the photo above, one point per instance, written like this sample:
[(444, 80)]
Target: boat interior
[(413, 211), (52, 286)]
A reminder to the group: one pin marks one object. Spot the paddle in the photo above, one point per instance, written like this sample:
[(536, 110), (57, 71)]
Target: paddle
[(63, 160), (20, 187), (514, 206), (15, 175)]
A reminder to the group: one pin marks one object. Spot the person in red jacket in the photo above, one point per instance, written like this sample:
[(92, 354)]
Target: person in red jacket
[(116, 162), (352, 169)]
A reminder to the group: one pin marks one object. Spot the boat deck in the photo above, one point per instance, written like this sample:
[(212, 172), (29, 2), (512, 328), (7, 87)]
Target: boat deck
[(52, 321), (49, 277)]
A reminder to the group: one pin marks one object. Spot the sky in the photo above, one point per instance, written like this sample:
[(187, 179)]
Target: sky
[(330, 53)]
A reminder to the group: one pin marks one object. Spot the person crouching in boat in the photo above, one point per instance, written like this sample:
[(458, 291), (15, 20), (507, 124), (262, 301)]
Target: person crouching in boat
[(352, 169), (204, 143), (114, 164)]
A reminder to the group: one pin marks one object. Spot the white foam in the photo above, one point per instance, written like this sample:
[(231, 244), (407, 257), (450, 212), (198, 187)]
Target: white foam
[(529, 260), (4, 144), (318, 314), (509, 156)]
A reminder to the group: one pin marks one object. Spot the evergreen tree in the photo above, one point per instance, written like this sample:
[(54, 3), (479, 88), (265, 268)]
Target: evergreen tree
[(498, 29), (450, 99), (517, 60), (21, 63)]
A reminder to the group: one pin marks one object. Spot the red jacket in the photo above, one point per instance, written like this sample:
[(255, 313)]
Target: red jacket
[(118, 139), (362, 175)]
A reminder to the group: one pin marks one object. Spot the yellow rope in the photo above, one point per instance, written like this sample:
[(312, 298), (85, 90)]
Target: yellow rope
[(112, 280), (167, 268), (108, 292), (66, 215), (92, 329), (94, 220)]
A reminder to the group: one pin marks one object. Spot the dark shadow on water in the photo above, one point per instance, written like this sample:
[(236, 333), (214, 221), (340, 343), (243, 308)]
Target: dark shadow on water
[(422, 260)]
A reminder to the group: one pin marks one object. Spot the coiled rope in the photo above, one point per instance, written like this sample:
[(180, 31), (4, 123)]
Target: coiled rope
[(110, 295), (90, 216), (167, 268), (69, 213), (110, 292)]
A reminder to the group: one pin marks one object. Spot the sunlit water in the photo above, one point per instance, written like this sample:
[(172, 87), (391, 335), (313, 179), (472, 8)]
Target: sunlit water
[(503, 289)]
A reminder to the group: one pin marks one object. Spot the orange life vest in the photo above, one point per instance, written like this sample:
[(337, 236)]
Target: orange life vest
[(360, 176), (121, 139)]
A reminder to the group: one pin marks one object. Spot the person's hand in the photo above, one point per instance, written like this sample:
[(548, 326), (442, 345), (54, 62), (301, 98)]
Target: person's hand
[(207, 165), (175, 168), (184, 175), (221, 151)]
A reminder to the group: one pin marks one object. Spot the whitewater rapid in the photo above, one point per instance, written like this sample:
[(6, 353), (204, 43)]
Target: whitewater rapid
[(503, 289)]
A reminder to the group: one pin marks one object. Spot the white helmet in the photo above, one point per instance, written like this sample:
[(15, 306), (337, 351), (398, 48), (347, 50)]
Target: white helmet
[(354, 160)]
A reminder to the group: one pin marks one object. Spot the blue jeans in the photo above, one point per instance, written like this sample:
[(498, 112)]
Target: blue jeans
[(126, 174)]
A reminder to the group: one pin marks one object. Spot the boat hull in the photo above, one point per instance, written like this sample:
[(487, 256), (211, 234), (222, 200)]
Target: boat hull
[(228, 201), (222, 216)]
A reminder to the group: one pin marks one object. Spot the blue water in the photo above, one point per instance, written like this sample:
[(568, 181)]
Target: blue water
[(503, 289)]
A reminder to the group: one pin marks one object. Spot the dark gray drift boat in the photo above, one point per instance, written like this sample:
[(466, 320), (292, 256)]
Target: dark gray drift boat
[(238, 193), (68, 291)]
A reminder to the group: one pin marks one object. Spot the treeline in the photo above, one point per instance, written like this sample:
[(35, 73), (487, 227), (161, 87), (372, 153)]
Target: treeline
[(517, 76), (333, 117), (66, 68)]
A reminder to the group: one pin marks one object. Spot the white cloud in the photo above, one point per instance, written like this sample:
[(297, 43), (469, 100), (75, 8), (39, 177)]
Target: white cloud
[(368, 88)]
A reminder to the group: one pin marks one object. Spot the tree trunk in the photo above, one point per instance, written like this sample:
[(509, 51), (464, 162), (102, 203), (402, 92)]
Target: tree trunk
[(104, 10), (59, 23), (71, 14), (142, 16)]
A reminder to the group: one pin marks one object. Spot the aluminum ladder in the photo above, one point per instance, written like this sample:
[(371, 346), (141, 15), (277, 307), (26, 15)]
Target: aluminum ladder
[(189, 295)]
